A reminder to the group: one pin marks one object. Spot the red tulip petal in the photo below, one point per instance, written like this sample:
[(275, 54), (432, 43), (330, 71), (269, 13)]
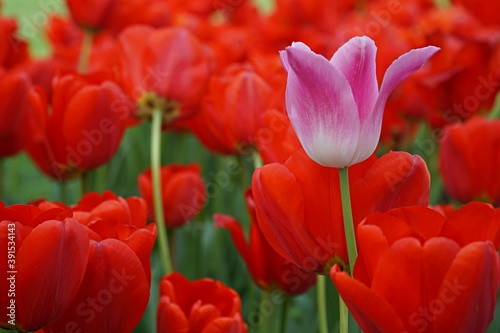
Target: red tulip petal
[(372, 313), (141, 242), (468, 294), (225, 325), (279, 201), (202, 315), (372, 245), (170, 318), (113, 294), (49, 272), (475, 221), (228, 222)]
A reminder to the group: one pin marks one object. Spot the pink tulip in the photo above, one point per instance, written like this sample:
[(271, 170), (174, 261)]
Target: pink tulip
[(335, 106)]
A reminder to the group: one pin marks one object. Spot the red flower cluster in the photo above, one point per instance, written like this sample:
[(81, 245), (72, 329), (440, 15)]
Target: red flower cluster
[(88, 261), (202, 306), (307, 228), (414, 271), (213, 69)]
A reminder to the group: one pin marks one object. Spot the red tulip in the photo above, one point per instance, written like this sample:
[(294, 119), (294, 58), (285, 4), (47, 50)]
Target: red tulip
[(81, 130), (14, 88), (201, 306), (117, 14), (469, 160), (115, 289), (231, 113), (482, 10), (411, 276), (44, 276), (269, 270), (183, 192), (66, 40), (299, 207), (163, 69), (13, 50)]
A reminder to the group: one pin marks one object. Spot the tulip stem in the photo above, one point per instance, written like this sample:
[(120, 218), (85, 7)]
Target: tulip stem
[(350, 237), (85, 51), (266, 325), (284, 313), (495, 110), (257, 161), (343, 316), (2, 178), (157, 194), (321, 298), (86, 182)]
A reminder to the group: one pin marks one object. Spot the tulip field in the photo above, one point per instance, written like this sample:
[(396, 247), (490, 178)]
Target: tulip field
[(238, 166)]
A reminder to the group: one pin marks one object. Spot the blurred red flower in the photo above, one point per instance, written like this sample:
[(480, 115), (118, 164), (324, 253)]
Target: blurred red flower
[(118, 14), (80, 130), (299, 210), (14, 89), (469, 160), (13, 49), (483, 10), (268, 269), (165, 69), (231, 114), (204, 305), (183, 192), (414, 275)]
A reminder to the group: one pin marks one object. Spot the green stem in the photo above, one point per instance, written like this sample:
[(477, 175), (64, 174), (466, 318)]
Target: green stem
[(243, 175), (344, 316), (63, 191), (321, 298), (157, 194), (257, 161), (101, 177), (85, 51), (495, 111), (284, 313), (267, 322), (2, 178), (350, 237), (86, 181)]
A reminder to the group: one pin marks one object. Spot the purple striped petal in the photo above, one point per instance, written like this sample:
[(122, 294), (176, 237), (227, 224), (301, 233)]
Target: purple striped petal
[(356, 61), (321, 107), (399, 70)]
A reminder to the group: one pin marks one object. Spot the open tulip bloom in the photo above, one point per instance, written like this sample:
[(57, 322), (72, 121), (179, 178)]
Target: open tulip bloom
[(335, 106)]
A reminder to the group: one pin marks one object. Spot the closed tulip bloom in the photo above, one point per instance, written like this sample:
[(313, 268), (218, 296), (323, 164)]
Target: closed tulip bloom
[(268, 269), (335, 106), (118, 273), (469, 160), (14, 89), (80, 130), (231, 114), (48, 273), (183, 192), (412, 275), (298, 203), (201, 306)]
